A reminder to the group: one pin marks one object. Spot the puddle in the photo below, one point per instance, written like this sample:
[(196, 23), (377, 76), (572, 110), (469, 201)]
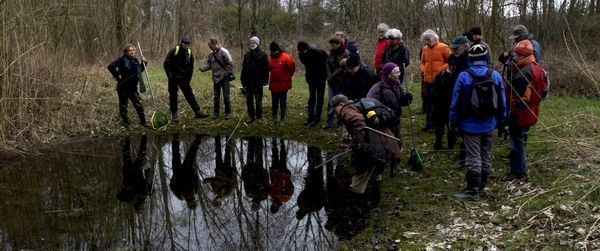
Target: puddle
[(180, 192)]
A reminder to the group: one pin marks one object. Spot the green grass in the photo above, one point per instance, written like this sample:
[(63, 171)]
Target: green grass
[(557, 209)]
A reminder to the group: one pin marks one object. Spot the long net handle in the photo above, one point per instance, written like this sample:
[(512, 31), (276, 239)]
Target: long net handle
[(147, 75)]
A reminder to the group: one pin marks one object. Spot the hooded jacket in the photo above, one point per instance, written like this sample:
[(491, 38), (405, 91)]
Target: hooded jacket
[(282, 69)]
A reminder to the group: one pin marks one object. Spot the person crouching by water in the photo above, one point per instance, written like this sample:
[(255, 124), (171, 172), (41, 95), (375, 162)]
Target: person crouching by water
[(127, 70), (371, 151)]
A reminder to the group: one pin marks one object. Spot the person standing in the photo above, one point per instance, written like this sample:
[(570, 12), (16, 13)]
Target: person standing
[(526, 93), (396, 52), (460, 48), (255, 74), (442, 88), (179, 67), (185, 181), (127, 70), (315, 64), (475, 36), (357, 78), (474, 112), (220, 62), (382, 42), (337, 52), (350, 45), (433, 60), (282, 68)]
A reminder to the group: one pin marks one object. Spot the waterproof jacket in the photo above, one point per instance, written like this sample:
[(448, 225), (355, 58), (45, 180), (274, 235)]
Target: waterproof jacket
[(462, 62), (218, 72), (379, 49), (315, 63), (398, 55), (460, 99), (333, 65), (255, 68), (443, 86), (390, 95), (180, 66), (126, 70), (357, 85), (433, 60), (282, 69), (523, 97)]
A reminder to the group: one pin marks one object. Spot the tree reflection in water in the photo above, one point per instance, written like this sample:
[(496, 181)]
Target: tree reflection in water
[(247, 194)]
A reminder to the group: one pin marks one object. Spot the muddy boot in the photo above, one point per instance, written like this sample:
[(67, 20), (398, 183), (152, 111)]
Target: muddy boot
[(142, 119), (471, 192), (200, 115), (125, 120)]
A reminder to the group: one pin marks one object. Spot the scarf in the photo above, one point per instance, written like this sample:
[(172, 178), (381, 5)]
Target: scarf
[(127, 64)]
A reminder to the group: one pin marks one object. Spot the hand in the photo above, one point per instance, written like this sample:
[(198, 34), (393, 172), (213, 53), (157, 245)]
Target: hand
[(143, 59)]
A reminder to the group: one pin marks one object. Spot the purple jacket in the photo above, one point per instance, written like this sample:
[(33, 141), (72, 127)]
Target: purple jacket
[(389, 95)]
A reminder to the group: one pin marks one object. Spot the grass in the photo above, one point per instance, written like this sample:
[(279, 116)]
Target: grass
[(557, 209)]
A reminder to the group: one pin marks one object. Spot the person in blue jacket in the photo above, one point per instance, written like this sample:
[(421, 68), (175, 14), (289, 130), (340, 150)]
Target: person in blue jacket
[(477, 126)]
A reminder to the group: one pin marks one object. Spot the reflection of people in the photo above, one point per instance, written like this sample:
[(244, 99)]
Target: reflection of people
[(281, 188), (184, 182), (255, 177), (137, 182), (347, 212), (312, 198), (225, 174)]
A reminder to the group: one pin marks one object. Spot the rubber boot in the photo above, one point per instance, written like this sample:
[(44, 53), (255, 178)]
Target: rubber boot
[(142, 119), (483, 184), (125, 120), (471, 192)]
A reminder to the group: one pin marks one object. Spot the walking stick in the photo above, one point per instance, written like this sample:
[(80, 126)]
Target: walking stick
[(158, 118)]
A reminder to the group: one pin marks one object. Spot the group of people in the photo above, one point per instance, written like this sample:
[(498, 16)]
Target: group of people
[(460, 91)]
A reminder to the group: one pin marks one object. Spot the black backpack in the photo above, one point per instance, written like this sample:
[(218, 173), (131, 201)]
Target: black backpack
[(486, 98), (376, 114)]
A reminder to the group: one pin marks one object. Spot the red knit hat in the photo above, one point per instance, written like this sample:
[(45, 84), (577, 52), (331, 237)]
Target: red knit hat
[(523, 48)]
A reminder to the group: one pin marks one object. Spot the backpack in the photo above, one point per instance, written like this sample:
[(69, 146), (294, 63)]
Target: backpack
[(376, 114), (177, 52), (485, 99)]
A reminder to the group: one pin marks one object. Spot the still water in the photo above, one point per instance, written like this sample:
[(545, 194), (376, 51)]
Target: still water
[(183, 192)]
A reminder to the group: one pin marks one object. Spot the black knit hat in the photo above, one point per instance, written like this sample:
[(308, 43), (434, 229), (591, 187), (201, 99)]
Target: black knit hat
[(274, 46), (478, 52), (302, 46), (476, 30), (353, 60)]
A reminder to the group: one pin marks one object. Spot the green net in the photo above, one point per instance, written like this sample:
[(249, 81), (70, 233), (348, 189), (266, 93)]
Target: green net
[(415, 160), (159, 120)]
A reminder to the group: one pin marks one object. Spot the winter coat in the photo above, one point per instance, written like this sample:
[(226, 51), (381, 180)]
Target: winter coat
[(333, 66), (126, 70), (462, 62), (218, 72), (433, 60), (180, 66), (351, 46), (524, 99), (379, 49), (443, 86), (255, 68), (398, 55), (389, 95), (357, 85), (460, 99), (282, 69), (315, 63)]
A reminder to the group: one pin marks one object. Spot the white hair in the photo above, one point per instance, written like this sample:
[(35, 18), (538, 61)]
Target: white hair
[(393, 33), (383, 27), (430, 32)]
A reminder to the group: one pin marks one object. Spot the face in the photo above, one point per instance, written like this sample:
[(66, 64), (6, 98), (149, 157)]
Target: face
[(334, 46), (253, 45), (185, 46), (212, 46), (130, 51), (394, 41), (395, 74), (338, 108), (428, 40), (353, 70), (381, 33), (460, 50), (476, 37)]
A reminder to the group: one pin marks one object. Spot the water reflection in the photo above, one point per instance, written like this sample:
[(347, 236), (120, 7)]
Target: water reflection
[(244, 194)]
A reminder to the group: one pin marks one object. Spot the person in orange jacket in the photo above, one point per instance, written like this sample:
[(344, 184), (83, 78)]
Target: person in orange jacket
[(282, 68), (433, 60)]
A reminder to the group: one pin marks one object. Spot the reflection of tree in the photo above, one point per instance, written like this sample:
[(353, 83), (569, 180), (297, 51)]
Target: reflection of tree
[(281, 187), (184, 181), (137, 183), (223, 183)]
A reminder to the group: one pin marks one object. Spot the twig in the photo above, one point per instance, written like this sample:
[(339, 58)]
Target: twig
[(20, 56)]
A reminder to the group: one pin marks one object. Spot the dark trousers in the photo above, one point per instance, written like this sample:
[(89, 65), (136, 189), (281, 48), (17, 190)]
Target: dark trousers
[(133, 95), (222, 85), (428, 104), (439, 135), (186, 89), (279, 99), (254, 96), (316, 94)]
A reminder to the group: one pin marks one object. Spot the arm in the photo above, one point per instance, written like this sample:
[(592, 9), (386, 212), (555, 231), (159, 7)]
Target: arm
[(206, 66), (291, 65), (113, 69), (454, 104), (227, 61), (422, 62), (405, 57)]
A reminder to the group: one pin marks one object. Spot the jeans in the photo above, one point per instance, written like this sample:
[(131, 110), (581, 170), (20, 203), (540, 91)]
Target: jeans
[(217, 87), (332, 91), (316, 93), (428, 104), (479, 152), (518, 154), (278, 99), (124, 96), (254, 96), (186, 89)]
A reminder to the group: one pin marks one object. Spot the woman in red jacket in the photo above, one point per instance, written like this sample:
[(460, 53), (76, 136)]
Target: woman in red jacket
[(282, 67)]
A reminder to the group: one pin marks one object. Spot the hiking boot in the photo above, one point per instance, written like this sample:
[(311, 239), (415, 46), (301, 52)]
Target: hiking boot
[(483, 183), (282, 122), (125, 121), (307, 123), (471, 192), (200, 115), (249, 120), (215, 116), (274, 122), (227, 116), (258, 120), (175, 117)]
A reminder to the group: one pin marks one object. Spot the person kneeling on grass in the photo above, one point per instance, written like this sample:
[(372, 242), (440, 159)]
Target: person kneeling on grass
[(127, 70), (371, 151), (282, 68)]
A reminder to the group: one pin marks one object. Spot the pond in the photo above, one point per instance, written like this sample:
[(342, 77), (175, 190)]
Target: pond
[(184, 192)]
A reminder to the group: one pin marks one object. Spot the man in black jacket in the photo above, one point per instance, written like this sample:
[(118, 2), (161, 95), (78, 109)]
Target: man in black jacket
[(315, 64), (179, 66), (255, 74), (127, 70), (357, 78)]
